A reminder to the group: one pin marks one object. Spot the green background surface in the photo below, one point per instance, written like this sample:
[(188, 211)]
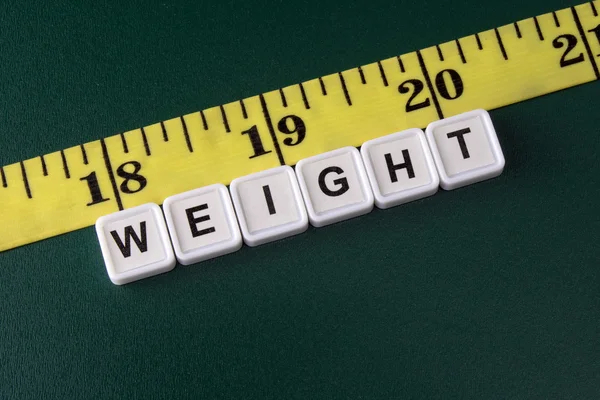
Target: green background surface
[(490, 291)]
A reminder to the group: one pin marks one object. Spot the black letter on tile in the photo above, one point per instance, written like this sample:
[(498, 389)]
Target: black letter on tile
[(343, 182), (194, 221), (269, 198), (392, 168), (460, 135), (142, 244)]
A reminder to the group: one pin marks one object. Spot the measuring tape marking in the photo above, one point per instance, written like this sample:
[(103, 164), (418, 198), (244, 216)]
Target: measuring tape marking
[(265, 109), (340, 109), (43, 161), (436, 102), (111, 174), (516, 25), (501, 44), (538, 28), (585, 41), (65, 165), (25, 180)]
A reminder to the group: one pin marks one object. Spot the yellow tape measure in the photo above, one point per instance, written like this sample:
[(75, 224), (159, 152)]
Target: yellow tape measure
[(70, 189)]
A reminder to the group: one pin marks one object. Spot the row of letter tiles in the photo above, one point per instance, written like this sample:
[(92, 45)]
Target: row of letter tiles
[(277, 203)]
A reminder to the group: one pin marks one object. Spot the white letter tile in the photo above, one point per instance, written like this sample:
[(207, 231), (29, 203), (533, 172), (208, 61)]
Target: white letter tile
[(400, 168), (269, 205), (465, 149), (202, 224), (335, 186), (135, 243)]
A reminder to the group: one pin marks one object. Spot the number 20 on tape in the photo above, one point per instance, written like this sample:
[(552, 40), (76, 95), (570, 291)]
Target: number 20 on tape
[(69, 189)]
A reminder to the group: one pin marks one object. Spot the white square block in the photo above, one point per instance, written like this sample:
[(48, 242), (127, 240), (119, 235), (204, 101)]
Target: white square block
[(135, 243), (465, 149), (400, 168), (202, 224), (269, 205), (335, 186)]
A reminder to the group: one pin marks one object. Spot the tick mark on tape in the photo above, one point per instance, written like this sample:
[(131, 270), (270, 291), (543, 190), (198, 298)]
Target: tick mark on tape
[(362, 75), (538, 28), (225, 122), (164, 131), (518, 30), (186, 134), (429, 84), (594, 9), (44, 170), (25, 180), (439, 51), (400, 64), (304, 98), (65, 165), (345, 89), (556, 21), (267, 115), (323, 90), (83, 154), (124, 142), (111, 174), (283, 99), (479, 45), (4, 183), (145, 140), (502, 49), (243, 106), (204, 122), (460, 51), (382, 72)]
